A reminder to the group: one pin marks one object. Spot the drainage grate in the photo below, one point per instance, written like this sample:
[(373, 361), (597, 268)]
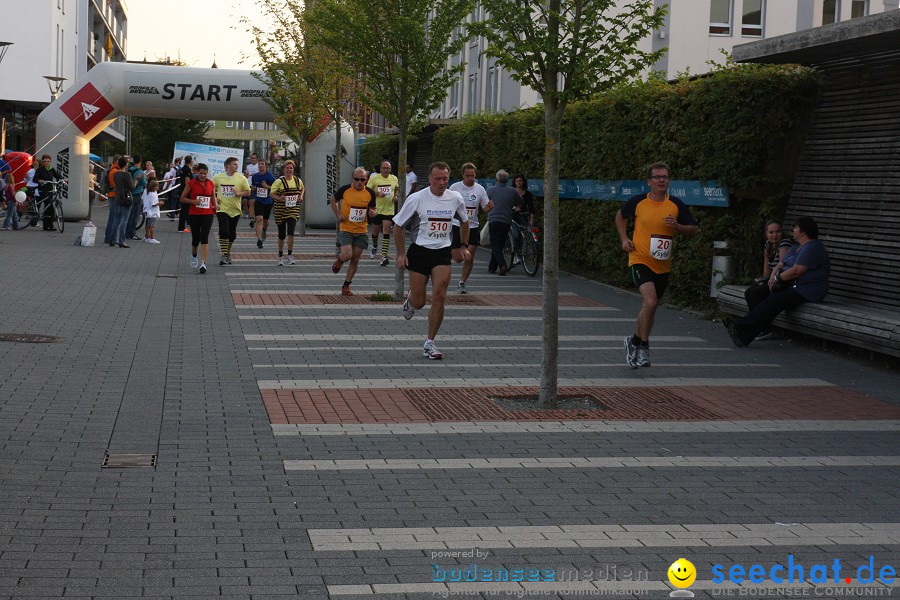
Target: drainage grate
[(29, 338), (129, 460)]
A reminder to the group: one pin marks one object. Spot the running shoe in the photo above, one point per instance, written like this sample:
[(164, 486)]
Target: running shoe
[(345, 291), (336, 266), (228, 259), (429, 350), (630, 353), (291, 260), (372, 253), (195, 262), (733, 333), (461, 287), (223, 262), (279, 262), (186, 230), (252, 223), (384, 261), (202, 268), (408, 310), (154, 241), (148, 240), (643, 357), (258, 243)]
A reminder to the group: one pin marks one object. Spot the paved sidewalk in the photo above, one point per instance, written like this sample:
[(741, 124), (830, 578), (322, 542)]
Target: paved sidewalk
[(304, 447)]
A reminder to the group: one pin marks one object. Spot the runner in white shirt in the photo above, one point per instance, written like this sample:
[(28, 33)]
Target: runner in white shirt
[(430, 213), (475, 197), (247, 204)]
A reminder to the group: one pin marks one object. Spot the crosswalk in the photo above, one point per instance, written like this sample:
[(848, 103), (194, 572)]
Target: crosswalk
[(573, 495)]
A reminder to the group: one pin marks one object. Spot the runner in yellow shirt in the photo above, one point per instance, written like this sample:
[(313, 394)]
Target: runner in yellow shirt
[(287, 193), (231, 186), (385, 186)]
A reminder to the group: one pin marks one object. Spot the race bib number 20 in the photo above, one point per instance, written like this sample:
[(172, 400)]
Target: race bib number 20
[(661, 247)]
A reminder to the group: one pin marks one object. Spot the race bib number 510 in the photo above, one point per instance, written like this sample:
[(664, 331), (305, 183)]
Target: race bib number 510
[(438, 230), (661, 247)]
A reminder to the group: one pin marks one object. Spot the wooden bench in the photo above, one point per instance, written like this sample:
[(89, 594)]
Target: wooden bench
[(837, 320)]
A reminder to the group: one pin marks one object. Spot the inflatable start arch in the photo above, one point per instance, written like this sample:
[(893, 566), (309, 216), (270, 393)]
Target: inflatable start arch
[(66, 127)]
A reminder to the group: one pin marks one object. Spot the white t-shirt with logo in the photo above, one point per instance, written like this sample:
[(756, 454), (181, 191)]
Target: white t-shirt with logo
[(411, 180), (432, 217), (474, 197)]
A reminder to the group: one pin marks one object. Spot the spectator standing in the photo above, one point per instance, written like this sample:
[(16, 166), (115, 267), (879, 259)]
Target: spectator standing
[(123, 200), (151, 209), (12, 213), (140, 184), (46, 176), (184, 175), (109, 236)]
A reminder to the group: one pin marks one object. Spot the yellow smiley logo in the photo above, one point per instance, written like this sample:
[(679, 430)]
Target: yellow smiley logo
[(682, 573)]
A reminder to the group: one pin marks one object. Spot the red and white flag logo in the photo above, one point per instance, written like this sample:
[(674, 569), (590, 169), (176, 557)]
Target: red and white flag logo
[(87, 108)]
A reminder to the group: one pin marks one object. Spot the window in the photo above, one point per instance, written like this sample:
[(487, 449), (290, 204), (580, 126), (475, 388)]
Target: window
[(454, 96), (229, 124), (720, 17), (859, 8), (753, 18), (831, 12), (473, 93)]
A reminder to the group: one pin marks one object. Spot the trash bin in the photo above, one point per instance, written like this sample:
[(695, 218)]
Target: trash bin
[(722, 267)]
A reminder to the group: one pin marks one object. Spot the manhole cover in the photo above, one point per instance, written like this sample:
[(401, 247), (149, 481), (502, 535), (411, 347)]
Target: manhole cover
[(564, 402), (129, 460), (29, 338)]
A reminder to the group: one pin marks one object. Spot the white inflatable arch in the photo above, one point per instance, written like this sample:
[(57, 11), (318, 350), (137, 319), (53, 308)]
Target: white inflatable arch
[(66, 127)]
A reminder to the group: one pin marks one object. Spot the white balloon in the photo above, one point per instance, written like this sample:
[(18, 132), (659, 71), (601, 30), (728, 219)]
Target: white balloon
[(21, 197)]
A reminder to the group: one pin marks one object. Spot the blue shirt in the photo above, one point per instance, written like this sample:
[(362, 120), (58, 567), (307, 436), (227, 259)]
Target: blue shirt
[(256, 180), (813, 284)]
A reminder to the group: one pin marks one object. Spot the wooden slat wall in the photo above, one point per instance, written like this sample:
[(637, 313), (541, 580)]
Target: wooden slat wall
[(849, 178)]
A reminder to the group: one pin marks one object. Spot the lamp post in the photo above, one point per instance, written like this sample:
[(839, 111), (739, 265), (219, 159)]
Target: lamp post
[(55, 84), (4, 46)]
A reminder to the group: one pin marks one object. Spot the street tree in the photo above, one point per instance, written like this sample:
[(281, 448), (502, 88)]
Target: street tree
[(565, 50), (400, 48)]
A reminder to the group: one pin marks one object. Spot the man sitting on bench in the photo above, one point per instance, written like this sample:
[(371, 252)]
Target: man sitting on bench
[(803, 278)]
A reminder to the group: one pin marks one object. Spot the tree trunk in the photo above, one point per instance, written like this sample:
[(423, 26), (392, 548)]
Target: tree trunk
[(399, 292), (301, 168), (550, 333)]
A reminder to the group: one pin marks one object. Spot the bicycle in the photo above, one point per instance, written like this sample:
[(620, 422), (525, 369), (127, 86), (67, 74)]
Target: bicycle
[(33, 209), (524, 239)]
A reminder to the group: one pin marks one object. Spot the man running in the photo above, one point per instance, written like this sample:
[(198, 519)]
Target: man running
[(261, 183), (287, 193), (475, 198), (357, 207), (232, 190), (385, 186), (429, 213), (657, 216)]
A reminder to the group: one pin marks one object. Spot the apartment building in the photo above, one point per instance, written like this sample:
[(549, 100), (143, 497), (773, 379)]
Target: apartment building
[(695, 32), (52, 45)]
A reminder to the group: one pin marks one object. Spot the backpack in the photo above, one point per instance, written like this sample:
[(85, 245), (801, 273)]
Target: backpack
[(104, 182)]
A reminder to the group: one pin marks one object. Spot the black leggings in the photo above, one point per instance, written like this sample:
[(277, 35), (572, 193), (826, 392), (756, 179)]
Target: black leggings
[(200, 228), (286, 228), (228, 226)]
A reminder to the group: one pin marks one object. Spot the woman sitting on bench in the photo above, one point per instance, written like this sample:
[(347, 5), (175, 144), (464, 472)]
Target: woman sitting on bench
[(802, 278), (776, 246)]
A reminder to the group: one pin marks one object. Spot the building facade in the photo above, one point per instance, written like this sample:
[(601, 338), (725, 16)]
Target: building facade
[(61, 39), (695, 33)]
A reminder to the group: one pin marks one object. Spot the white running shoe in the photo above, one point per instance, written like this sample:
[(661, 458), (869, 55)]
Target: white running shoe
[(630, 353), (154, 241), (291, 259), (408, 310), (279, 262), (643, 357), (372, 253), (202, 268), (195, 262), (429, 350), (461, 287)]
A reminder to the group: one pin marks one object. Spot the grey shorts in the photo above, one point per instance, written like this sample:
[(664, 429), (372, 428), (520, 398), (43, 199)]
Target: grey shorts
[(151, 221), (360, 240)]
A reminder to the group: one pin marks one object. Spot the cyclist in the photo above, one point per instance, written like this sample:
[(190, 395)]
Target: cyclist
[(46, 177)]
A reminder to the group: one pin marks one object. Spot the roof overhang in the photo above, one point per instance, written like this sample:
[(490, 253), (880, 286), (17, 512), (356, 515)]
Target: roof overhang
[(875, 34)]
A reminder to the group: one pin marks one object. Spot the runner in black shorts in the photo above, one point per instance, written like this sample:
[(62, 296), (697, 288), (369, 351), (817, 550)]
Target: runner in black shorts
[(430, 213)]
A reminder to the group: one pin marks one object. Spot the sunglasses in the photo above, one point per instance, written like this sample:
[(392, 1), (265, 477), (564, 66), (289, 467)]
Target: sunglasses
[(359, 179)]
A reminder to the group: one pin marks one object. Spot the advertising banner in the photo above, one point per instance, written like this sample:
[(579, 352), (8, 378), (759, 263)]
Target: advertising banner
[(212, 156)]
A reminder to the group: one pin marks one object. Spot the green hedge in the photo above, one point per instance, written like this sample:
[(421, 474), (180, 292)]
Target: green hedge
[(384, 144), (742, 125)]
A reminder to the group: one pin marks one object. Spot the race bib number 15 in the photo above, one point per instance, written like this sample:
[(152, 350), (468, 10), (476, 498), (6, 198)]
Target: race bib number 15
[(661, 247)]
